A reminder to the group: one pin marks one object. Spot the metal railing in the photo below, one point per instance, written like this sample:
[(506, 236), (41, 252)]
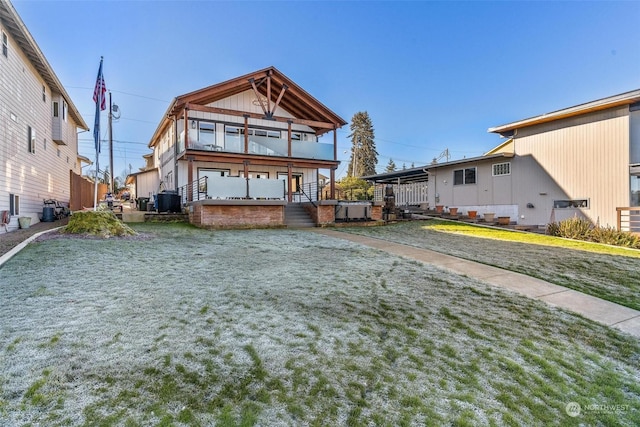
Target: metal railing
[(197, 188), (310, 192), (629, 219)]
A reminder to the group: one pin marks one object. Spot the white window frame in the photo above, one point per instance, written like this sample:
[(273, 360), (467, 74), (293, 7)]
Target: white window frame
[(5, 45), (572, 203), (31, 140), (14, 204), (501, 169)]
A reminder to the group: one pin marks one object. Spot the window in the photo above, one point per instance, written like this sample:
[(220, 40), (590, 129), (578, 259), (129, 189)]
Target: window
[(207, 133), (44, 94), (14, 204), (56, 109), (573, 203), (501, 169), (31, 139), (464, 176), (44, 144), (64, 110), (5, 44), (13, 117)]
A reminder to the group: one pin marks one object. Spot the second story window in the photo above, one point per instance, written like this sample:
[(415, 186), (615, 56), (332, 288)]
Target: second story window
[(5, 44), (64, 111), (31, 139), (56, 109), (44, 94)]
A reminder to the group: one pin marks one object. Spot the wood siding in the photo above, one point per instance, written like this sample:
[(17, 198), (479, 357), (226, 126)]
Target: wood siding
[(585, 157), (45, 173)]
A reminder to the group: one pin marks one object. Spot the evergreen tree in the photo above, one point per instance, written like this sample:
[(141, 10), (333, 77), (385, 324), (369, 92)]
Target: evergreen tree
[(391, 166), (364, 156)]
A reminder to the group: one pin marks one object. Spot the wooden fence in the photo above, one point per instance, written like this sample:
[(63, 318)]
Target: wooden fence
[(82, 192)]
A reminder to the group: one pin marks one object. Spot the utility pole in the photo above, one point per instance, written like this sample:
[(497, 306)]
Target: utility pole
[(110, 146)]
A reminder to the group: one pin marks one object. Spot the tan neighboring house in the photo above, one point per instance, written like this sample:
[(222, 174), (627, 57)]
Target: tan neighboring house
[(582, 160), (38, 126), (239, 152), (146, 182)]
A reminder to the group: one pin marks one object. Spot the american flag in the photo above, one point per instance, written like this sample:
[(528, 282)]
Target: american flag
[(100, 90), (101, 104)]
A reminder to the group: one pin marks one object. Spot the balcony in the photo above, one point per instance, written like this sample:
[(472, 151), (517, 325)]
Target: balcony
[(262, 145)]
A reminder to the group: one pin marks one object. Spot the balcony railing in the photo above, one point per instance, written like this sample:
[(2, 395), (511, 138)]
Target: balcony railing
[(262, 145), (234, 188), (629, 219)]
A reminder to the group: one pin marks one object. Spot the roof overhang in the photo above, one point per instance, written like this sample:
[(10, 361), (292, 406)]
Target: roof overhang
[(84, 159), (12, 21), (626, 98), (274, 88), (404, 176), (478, 159)]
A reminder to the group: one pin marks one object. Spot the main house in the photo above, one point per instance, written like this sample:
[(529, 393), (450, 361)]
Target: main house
[(582, 160), (38, 126), (240, 151)]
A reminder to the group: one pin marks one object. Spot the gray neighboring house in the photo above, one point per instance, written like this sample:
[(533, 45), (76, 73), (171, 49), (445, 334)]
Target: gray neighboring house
[(582, 160)]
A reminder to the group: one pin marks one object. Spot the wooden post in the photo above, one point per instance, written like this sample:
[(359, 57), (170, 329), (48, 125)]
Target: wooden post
[(190, 178), (186, 128), (246, 175), (332, 184), (289, 176), (246, 134), (289, 138)]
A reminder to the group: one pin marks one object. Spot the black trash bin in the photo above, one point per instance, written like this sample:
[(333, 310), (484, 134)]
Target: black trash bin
[(168, 201), (48, 214), (142, 203)]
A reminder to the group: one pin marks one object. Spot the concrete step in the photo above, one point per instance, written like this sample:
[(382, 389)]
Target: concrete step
[(295, 216)]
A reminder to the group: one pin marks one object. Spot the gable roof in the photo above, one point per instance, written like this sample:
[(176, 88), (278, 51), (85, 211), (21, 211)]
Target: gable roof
[(11, 20), (294, 99), (626, 98)]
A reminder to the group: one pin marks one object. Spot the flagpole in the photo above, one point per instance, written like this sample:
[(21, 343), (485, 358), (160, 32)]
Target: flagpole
[(98, 98), (95, 191), (111, 189)]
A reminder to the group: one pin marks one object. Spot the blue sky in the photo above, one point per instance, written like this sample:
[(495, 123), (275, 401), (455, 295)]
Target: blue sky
[(431, 75)]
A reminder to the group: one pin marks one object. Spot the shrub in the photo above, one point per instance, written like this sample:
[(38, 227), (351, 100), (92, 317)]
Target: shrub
[(581, 229), (572, 228), (611, 236)]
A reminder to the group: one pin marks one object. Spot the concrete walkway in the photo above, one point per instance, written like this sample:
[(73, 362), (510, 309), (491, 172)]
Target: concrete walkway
[(608, 313)]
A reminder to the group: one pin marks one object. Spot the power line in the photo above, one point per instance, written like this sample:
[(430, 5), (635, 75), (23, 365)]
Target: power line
[(124, 93)]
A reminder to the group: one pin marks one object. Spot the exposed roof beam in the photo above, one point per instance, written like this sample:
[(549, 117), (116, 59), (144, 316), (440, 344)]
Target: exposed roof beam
[(218, 110)]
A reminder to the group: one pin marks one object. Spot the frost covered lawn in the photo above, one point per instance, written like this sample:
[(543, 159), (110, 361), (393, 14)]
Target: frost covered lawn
[(603, 271), (279, 327)]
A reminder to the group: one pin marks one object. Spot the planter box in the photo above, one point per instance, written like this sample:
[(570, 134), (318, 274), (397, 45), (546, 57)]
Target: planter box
[(439, 208), (489, 217), (504, 220), (453, 211), (472, 214), (24, 221)]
